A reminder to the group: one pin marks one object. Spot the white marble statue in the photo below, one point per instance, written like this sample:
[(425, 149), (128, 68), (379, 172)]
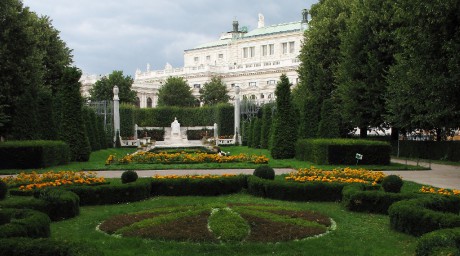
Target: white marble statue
[(175, 128)]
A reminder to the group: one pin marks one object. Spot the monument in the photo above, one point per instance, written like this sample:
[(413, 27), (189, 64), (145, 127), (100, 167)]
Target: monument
[(175, 136)]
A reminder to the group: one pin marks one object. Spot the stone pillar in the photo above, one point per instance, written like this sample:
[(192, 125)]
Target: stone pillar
[(216, 134), (135, 131), (116, 112), (237, 133)]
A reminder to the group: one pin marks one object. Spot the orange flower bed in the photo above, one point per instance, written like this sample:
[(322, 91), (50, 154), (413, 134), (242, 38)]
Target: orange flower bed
[(345, 175), (441, 191), (182, 157), (204, 176), (34, 180)]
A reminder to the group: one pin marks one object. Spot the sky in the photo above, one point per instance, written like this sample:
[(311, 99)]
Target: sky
[(108, 35)]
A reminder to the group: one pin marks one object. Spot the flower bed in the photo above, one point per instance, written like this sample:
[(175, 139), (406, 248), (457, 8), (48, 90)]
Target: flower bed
[(52, 179), (185, 158), (346, 175), (441, 191)]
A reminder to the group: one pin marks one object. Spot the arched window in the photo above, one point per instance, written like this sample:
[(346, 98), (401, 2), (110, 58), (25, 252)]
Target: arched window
[(149, 102), (137, 102), (253, 97)]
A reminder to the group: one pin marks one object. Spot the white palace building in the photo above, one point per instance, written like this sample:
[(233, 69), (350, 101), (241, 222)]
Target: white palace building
[(253, 60)]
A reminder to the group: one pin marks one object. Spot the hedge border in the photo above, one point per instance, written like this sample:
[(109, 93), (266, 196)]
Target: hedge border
[(425, 214), (25, 223), (445, 238)]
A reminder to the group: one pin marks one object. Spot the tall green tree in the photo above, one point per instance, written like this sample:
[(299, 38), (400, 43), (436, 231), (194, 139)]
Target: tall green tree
[(267, 110), (103, 89), (214, 92), (72, 129), (424, 84), (367, 50), (330, 120), (176, 92), (285, 124), (319, 57)]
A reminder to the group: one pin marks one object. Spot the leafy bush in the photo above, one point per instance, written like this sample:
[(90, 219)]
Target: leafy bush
[(445, 239), (33, 154), (264, 172), (156, 135), (343, 151), (293, 191), (199, 134), (128, 176), (45, 246), (25, 223), (112, 194), (425, 214), (436, 150), (392, 183), (359, 198), (198, 187), (61, 204), (3, 190)]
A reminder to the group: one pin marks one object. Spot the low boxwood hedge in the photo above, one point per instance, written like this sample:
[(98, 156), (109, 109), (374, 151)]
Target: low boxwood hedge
[(33, 154), (198, 187), (112, 194), (24, 223), (45, 247), (357, 198), (425, 214), (447, 240), (343, 151), (293, 191)]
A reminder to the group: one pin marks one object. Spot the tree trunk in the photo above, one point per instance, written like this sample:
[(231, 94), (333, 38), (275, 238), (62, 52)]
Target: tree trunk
[(363, 132)]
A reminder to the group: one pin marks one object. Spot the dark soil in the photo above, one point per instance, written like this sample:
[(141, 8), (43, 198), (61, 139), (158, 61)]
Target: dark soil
[(116, 222), (305, 215)]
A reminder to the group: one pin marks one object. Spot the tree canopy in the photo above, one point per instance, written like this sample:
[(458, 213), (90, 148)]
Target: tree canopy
[(214, 92), (103, 89), (176, 92)]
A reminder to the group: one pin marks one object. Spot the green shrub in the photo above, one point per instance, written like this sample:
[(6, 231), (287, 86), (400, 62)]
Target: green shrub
[(3, 190), (392, 183), (358, 198), (436, 150), (264, 172), (441, 240), (198, 187), (45, 246), (128, 176), (343, 151), (425, 214), (33, 154), (156, 135), (25, 223), (61, 204), (199, 134), (112, 194), (293, 191)]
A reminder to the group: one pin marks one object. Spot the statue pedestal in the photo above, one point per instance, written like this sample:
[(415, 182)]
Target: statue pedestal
[(176, 137)]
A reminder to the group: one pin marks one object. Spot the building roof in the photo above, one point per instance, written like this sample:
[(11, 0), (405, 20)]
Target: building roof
[(264, 31)]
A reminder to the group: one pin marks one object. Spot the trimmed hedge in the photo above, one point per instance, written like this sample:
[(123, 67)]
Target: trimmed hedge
[(198, 187), (435, 150), (45, 247), (446, 239), (112, 194), (343, 151), (25, 223), (33, 154), (357, 198), (425, 214), (293, 191)]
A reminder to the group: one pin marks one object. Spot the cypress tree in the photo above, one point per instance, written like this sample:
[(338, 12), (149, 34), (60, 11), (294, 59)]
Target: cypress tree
[(249, 132), (284, 130), (256, 133), (329, 125), (102, 136), (266, 125), (309, 119), (72, 125)]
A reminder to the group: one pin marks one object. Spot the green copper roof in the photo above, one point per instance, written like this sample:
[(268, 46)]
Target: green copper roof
[(212, 44), (274, 29)]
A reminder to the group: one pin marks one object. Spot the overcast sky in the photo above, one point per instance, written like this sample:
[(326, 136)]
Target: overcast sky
[(108, 35)]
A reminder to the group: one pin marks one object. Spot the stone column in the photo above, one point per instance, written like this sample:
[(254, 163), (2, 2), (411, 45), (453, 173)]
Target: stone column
[(116, 112), (237, 133)]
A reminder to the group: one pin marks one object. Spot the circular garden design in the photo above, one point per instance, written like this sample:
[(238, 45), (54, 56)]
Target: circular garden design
[(220, 223)]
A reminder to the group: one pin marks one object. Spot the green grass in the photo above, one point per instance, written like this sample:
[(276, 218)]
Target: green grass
[(356, 233), (97, 162)]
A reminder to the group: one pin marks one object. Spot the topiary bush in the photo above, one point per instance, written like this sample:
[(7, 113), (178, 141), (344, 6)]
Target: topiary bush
[(129, 176), (264, 172), (3, 190), (436, 242), (392, 183)]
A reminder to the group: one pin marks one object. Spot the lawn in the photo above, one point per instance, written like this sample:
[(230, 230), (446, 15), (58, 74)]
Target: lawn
[(355, 234), (98, 158)]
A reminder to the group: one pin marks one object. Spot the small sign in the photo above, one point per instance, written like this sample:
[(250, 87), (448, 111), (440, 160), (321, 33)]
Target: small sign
[(359, 156)]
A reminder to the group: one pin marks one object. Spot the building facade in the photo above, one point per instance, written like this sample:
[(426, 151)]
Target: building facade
[(253, 60)]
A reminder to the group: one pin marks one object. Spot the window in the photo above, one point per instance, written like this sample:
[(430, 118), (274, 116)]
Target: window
[(245, 52), (284, 47), (291, 47), (221, 56), (252, 51), (271, 48), (196, 59), (197, 86), (252, 84), (262, 96), (149, 102), (264, 50), (271, 82), (253, 97), (208, 58)]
